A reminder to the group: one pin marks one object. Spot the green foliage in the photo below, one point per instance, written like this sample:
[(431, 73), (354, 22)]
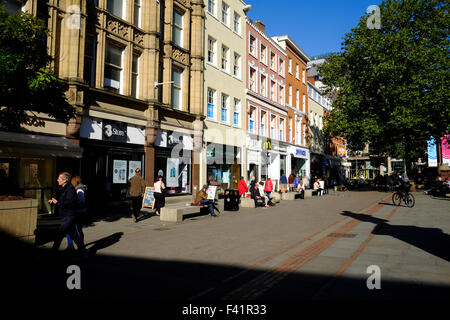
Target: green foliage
[(392, 84), (26, 82)]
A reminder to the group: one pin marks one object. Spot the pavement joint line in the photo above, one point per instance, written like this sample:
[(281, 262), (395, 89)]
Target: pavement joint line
[(256, 287), (344, 267)]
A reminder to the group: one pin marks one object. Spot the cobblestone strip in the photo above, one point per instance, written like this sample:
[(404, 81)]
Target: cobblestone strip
[(258, 286)]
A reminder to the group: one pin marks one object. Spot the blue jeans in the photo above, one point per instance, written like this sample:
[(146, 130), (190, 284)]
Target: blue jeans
[(268, 193), (210, 204)]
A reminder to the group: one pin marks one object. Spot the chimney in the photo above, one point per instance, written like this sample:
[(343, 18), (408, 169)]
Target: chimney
[(260, 25)]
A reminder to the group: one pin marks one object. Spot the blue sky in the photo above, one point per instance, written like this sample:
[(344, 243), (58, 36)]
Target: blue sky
[(316, 26)]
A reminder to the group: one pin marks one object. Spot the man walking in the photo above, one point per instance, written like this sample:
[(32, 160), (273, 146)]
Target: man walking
[(137, 190), (66, 205)]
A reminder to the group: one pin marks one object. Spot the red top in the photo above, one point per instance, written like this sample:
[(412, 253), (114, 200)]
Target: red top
[(242, 187), (268, 187)]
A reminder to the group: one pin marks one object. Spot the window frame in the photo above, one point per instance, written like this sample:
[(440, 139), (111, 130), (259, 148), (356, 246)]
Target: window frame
[(213, 41), (224, 106), (214, 107), (111, 65), (175, 87), (135, 74), (179, 28), (226, 12)]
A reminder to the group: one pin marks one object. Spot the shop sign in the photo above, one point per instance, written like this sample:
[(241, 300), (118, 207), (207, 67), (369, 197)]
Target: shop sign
[(341, 152), (300, 152), (173, 139), (432, 153), (114, 131), (267, 145), (446, 149)]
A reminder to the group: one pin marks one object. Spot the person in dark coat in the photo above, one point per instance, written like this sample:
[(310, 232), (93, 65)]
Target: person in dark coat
[(67, 206), (256, 195)]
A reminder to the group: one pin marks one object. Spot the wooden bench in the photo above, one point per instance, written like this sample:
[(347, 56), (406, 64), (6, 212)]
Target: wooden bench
[(176, 212)]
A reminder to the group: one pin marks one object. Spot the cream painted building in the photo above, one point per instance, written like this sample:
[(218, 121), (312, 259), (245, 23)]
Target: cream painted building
[(224, 93)]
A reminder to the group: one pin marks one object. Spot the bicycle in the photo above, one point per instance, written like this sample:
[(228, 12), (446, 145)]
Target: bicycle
[(407, 198)]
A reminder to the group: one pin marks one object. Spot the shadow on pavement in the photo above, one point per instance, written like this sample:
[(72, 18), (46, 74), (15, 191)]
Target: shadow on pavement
[(32, 274), (431, 240), (103, 243)]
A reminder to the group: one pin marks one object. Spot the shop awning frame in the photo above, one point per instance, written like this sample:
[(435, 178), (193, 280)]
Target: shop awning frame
[(27, 144)]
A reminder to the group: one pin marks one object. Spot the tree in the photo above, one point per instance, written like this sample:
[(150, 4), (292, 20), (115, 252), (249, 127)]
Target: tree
[(391, 85), (27, 84)]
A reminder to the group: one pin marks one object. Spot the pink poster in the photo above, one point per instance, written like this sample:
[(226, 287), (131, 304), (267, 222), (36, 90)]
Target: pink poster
[(446, 149)]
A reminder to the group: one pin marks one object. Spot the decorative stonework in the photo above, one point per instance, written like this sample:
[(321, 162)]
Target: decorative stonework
[(117, 27), (184, 2), (139, 37), (180, 56)]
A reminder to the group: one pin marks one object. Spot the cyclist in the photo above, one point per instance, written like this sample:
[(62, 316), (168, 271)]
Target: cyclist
[(405, 185)]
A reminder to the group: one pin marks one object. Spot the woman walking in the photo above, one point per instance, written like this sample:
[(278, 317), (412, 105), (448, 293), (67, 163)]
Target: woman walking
[(159, 195)]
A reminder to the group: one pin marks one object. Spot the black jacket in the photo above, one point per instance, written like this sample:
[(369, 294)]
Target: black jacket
[(67, 201)]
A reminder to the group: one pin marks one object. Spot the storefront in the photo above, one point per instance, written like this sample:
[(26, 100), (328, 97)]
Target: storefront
[(112, 152), (299, 161), (173, 161), (30, 164), (255, 161), (223, 166)]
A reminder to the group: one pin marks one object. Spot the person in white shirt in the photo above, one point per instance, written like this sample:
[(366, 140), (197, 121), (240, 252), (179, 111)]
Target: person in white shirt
[(159, 196), (263, 194), (321, 187)]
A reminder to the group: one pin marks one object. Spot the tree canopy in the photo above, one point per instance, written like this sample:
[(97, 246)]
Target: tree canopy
[(26, 81), (391, 84)]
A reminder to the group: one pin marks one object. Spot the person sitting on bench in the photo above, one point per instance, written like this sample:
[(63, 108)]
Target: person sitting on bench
[(202, 199), (301, 188), (256, 196)]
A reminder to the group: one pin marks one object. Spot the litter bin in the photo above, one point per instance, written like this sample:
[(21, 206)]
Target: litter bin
[(231, 200)]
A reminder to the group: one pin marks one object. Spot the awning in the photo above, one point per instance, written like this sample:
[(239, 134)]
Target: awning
[(24, 144)]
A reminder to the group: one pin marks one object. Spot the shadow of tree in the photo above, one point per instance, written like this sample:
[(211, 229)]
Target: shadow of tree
[(431, 240)]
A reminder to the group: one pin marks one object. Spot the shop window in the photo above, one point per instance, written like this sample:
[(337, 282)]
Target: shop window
[(176, 172)]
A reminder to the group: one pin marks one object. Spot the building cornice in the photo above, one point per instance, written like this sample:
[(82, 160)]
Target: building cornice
[(293, 45)]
